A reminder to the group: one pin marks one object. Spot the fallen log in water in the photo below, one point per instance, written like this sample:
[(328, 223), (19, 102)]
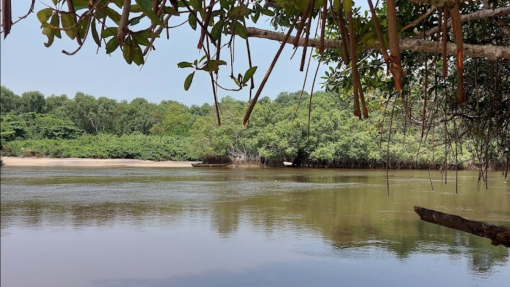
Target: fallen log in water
[(498, 234)]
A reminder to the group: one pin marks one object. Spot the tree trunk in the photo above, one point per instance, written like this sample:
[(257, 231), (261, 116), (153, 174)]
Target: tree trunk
[(498, 234)]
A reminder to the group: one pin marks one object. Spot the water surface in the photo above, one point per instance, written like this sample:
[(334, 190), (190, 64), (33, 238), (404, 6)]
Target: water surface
[(245, 227)]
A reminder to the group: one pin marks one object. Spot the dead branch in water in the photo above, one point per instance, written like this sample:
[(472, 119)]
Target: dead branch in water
[(500, 235)]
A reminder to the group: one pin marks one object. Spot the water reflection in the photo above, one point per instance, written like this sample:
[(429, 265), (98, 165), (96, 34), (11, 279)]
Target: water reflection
[(347, 211)]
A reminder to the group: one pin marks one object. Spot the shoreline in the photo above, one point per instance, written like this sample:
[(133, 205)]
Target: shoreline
[(88, 162)]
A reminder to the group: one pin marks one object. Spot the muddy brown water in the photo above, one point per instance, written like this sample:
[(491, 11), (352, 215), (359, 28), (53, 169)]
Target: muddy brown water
[(155, 227)]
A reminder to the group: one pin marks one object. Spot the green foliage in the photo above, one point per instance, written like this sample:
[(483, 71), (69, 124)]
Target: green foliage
[(287, 128), (32, 102), (135, 146), (9, 102), (37, 126)]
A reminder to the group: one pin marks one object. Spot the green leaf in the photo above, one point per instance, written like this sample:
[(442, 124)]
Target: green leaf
[(135, 9), (69, 23), (241, 31), (235, 81), (44, 15), (55, 25), (119, 3), (192, 21), (347, 5), (249, 74), (128, 50), (147, 33), (49, 32), (188, 81), (134, 21), (80, 4), (138, 56), (217, 29), (225, 4), (196, 4), (112, 45), (141, 40), (239, 11), (146, 6), (255, 17), (336, 4), (110, 31), (82, 27), (184, 65), (213, 65), (267, 12), (114, 15), (95, 35)]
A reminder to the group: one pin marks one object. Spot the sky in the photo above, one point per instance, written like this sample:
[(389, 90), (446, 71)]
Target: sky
[(27, 65)]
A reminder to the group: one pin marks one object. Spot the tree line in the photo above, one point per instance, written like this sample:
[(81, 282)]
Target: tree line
[(285, 128)]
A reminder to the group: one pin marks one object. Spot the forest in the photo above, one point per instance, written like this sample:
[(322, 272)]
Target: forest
[(285, 128)]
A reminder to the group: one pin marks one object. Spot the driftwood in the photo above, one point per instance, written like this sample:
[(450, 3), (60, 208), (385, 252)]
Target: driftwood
[(500, 235)]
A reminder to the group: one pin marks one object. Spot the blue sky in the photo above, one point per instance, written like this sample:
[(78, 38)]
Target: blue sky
[(26, 65)]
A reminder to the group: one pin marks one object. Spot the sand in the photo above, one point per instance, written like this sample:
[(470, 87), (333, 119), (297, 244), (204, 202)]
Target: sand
[(89, 162)]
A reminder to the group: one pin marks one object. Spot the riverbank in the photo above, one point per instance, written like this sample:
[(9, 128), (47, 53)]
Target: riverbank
[(89, 162)]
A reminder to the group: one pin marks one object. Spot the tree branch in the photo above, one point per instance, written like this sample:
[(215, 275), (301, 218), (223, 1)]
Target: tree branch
[(498, 234), (476, 51), (487, 13)]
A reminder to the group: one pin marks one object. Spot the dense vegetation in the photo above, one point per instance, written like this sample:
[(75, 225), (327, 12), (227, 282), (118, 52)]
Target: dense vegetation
[(279, 130)]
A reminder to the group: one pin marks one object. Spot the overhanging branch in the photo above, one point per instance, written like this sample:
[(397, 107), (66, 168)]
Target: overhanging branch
[(475, 51), (487, 13)]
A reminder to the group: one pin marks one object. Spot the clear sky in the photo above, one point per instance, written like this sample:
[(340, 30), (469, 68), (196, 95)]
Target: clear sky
[(26, 65)]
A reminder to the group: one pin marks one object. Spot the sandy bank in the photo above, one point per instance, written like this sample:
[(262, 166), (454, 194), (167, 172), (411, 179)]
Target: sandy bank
[(89, 162)]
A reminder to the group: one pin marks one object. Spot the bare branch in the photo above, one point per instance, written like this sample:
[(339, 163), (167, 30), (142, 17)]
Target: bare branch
[(419, 45), (431, 9), (123, 24), (487, 13), (30, 11)]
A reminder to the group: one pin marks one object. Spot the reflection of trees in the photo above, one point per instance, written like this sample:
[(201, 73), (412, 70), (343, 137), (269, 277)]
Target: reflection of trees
[(34, 213), (346, 216), (225, 216), (357, 218)]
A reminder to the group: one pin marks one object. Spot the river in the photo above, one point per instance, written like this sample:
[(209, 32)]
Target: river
[(155, 227)]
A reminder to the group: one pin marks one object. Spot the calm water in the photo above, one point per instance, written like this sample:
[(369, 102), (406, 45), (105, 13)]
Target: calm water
[(244, 227)]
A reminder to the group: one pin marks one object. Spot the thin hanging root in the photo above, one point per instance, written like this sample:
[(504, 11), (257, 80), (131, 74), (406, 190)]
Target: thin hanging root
[(216, 104), (339, 21), (457, 35), (206, 23), (311, 95), (70, 6), (6, 17), (378, 30), (355, 77), (439, 19), (323, 26), (302, 23), (425, 88), (362, 98), (307, 37), (445, 39), (268, 73), (421, 18), (248, 51), (395, 68)]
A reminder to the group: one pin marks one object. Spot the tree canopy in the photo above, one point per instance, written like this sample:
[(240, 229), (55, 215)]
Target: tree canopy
[(464, 29), (433, 61)]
